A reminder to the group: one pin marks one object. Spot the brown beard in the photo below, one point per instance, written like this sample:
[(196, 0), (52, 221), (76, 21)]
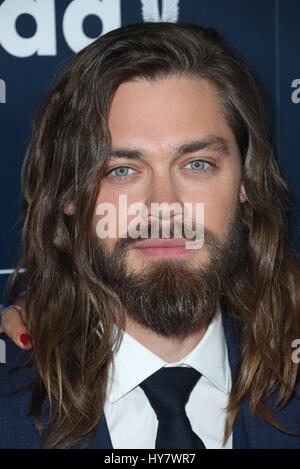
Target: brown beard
[(171, 297)]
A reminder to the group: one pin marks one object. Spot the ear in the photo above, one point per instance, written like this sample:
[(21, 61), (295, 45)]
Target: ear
[(68, 208), (243, 197)]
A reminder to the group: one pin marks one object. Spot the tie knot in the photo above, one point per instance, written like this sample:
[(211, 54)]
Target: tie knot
[(168, 390)]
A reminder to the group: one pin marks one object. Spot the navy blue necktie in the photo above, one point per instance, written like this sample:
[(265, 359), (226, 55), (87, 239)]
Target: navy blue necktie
[(168, 391)]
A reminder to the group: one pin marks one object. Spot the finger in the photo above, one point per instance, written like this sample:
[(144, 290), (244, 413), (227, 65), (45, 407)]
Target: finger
[(14, 326), (21, 302)]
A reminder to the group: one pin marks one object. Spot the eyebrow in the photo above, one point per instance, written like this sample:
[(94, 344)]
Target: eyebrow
[(214, 143)]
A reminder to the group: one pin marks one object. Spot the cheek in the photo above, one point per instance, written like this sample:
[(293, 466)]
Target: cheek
[(218, 214), (104, 218), (111, 215), (219, 206)]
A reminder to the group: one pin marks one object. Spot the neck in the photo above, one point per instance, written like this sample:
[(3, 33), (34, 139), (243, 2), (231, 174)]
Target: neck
[(170, 349)]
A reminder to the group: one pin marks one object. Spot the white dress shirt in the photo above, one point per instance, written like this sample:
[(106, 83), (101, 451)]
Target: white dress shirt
[(131, 420)]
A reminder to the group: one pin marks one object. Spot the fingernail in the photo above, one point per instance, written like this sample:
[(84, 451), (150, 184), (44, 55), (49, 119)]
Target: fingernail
[(25, 339)]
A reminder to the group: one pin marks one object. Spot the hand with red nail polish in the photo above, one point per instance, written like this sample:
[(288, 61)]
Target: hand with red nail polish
[(13, 323), (25, 339)]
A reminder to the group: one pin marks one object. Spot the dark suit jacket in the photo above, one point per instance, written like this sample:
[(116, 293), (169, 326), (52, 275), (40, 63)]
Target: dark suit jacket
[(17, 428)]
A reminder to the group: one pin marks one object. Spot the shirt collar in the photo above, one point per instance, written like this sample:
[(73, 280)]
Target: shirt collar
[(133, 362)]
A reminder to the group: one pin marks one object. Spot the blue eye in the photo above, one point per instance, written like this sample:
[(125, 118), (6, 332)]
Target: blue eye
[(121, 171), (197, 165)]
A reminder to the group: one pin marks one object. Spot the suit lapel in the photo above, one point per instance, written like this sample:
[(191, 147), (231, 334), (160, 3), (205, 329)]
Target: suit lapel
[(253, 431), (102, 438), (232, 331)]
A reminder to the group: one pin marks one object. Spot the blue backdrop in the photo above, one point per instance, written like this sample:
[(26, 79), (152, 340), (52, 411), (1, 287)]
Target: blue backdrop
[(38, 37)]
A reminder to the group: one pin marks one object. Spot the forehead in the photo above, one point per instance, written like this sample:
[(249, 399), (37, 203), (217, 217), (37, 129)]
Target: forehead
[(164, 113)]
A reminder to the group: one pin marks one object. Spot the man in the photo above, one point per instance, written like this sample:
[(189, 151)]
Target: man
[(149, 343)]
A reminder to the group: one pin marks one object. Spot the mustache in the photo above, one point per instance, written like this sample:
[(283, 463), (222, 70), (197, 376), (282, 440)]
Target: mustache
[(124, 243)]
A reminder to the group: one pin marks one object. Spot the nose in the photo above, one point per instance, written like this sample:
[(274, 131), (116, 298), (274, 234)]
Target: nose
[(163, 190), (162, 187)]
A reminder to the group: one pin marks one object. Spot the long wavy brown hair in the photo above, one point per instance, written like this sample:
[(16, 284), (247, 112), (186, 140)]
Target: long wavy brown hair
[(69, 309)]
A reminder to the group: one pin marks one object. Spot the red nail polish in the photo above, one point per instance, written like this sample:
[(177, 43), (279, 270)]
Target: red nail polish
[(25, 339)]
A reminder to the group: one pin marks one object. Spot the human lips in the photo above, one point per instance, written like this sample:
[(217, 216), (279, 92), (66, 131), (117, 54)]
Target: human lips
[(163, 248)]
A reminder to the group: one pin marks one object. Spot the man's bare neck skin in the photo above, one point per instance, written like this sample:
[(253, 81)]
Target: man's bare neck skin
[(168, 348)]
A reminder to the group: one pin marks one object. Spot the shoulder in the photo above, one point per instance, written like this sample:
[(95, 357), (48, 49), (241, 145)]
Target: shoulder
[(17, 427)]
